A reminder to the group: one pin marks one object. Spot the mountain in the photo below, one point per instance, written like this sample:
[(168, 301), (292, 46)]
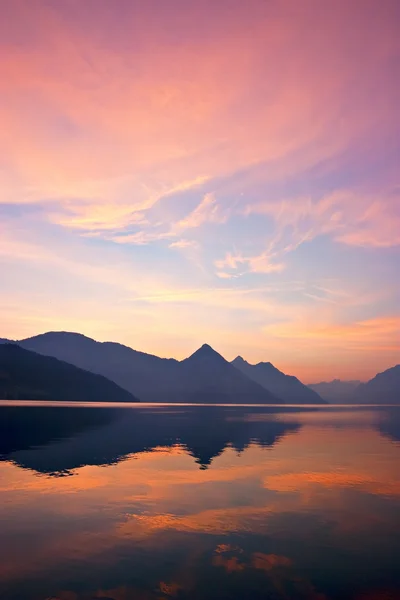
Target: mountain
[(287, 387), (149, 377), (203, 377), (25, 375), (335, 391), (5, 341), (384, 388), (208, 377)]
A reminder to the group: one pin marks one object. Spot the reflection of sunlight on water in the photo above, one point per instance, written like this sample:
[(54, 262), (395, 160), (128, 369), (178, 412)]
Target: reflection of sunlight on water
[(347, 417)]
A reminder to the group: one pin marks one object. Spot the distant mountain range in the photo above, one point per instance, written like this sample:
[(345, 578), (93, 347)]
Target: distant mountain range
[(383, 388), (148, 377), (336, 391), (203, 377), (26, 375), (287, 387), (207, 377)]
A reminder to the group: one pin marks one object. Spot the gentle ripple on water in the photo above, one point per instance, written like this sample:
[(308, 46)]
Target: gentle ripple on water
[(192, 502)]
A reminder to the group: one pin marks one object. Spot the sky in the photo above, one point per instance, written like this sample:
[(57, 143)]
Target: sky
[(178, 173)]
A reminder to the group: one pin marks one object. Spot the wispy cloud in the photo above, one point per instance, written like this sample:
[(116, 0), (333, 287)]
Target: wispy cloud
[(238, 265), (198, 188), (351, 217), (182, 244), (208, 211)]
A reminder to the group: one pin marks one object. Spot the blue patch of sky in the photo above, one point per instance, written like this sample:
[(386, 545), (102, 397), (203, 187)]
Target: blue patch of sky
[(366, 271)]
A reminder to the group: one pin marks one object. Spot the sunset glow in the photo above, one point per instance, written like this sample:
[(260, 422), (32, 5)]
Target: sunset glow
[(174, 173)]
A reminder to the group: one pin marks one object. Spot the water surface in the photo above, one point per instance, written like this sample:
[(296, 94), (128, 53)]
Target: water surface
[(190, 502)]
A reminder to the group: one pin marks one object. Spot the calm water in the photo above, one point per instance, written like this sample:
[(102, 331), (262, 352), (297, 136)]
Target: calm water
[(156, 503)]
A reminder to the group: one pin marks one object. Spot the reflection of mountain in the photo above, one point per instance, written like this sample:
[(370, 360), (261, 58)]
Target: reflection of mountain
[(56, 440), (26, 427), (287, 387), (389, 423)]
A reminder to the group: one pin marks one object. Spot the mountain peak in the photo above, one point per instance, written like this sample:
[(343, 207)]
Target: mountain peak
[(287, 387), (206, 347), (239, 359), (205, 351), (59, 336), (266, 364)]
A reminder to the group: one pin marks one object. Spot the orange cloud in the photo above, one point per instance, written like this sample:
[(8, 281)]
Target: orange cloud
[(307, 470), (182, 244), (114, 129), (253, 264), (164, 116), (351, 217)]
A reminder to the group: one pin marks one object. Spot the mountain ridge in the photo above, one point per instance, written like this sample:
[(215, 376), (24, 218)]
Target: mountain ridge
[(27, 375), (151, 378), (287, 387), (336, 391), (384, 388), (131, 369), (201, 377), (211, 375)]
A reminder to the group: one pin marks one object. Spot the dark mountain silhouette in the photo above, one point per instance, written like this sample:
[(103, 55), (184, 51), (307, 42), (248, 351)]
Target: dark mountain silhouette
[(335, 391), (287, 387), (149, 377), (56, 440), (204, 377), (384, 388), (25, 375), (208, 377)]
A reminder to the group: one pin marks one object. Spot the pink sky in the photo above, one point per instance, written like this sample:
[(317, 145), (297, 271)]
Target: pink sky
[(186, 172)]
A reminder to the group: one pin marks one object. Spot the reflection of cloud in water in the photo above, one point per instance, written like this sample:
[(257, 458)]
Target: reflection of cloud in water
[(295, 482), (156, 527), (275, 576), (267, 562), (169, 589), (281, 579)]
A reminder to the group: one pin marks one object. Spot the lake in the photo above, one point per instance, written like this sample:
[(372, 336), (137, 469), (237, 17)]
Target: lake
[(199, 502)]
